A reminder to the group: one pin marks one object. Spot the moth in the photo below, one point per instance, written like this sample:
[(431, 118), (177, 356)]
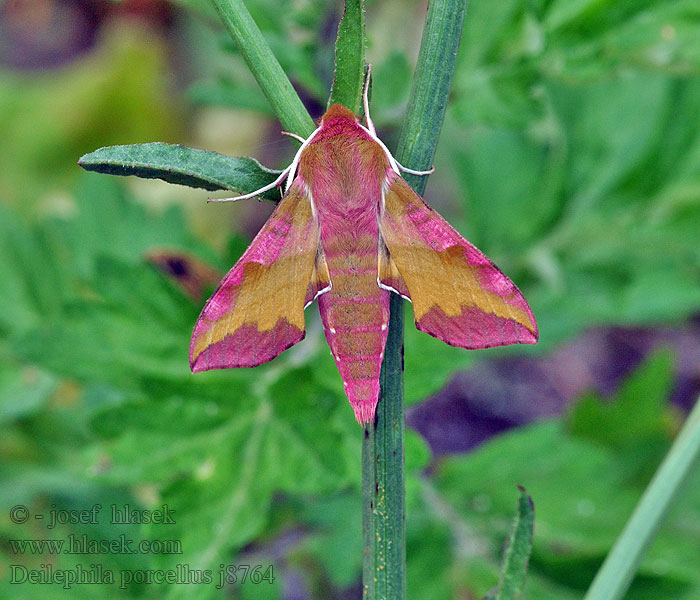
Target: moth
[(348, 232)]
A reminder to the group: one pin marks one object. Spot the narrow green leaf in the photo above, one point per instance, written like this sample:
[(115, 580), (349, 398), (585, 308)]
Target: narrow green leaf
[(184, 166), (514, 569), (620, 566), (349, 75)]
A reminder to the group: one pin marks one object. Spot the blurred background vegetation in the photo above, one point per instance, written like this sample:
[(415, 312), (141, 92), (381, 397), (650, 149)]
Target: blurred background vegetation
[(570, 155)]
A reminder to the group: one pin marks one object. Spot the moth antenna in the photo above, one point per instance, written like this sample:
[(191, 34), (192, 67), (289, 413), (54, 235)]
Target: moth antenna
[(269, 186), (365, 101), (413, 172), (294, 135)]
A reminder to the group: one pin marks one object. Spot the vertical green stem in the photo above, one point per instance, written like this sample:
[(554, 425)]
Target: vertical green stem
[(431, 87), (383, 488), (621, 564), (384, 567), (267, 71)]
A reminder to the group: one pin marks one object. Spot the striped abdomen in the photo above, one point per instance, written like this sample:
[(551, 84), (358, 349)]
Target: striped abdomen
[(355, 314)]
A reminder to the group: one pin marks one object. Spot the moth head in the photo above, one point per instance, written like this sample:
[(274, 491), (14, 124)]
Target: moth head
[(338, 111)]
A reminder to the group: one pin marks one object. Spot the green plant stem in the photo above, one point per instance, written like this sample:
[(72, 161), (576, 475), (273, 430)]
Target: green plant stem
[(267, 71), (620, 566), (383, 490), (431, 87), (383, 487)]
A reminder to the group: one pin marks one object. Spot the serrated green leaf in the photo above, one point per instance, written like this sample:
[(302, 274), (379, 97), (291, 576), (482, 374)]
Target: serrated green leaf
[(35, 275), (118, 334), (226, 502), (636, 415), (110, 223), (183, 166), (23, 391)]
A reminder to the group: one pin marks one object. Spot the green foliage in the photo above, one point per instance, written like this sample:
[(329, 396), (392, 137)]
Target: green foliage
[(570, 137), (292, 31), (390, 88), (348, 77), (183, 166), (217, 447), (678, 466), (48, 120), (570, 154), (514, 569), (98, 406), (635, 415), (583, 498)]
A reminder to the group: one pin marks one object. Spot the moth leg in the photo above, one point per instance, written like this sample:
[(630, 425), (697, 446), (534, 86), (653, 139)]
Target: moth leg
[(277, 182), (388, 276), (294, 135), (412, 172), (320, 282)]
